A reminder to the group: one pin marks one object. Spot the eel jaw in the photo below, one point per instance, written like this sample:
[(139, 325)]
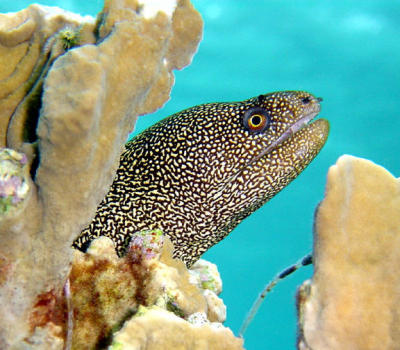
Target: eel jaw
[(303, 123), (289, 132)]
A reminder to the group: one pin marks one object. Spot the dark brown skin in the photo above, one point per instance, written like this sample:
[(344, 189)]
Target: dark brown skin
[(198, 173)]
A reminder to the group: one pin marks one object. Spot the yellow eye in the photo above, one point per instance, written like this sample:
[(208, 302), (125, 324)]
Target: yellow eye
[(256, 119)]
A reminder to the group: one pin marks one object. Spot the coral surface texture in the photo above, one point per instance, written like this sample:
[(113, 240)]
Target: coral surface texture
[(145, 301), (352, 301), (71, 90)]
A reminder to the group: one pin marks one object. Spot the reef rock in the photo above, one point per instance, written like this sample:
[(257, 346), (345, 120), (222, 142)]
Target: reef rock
[(71, 90), (154, 298), (157, 329), (353, 299)]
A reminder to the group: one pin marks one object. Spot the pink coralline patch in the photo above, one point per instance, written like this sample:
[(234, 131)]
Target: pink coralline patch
[(145, 245), (13, 179), (24, 159), (8, 188)]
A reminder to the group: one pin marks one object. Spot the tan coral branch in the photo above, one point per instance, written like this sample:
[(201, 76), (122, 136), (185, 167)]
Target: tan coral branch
[(353, 299), (77, 100)]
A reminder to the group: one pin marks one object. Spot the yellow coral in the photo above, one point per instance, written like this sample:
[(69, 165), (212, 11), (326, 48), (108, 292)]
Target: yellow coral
[(353, 300)]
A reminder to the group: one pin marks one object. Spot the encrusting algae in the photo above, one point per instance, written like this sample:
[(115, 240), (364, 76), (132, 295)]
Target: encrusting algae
[(14, 183), (144, 293)]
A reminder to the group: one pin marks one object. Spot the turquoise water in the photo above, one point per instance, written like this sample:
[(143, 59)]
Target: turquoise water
[(346, 52)]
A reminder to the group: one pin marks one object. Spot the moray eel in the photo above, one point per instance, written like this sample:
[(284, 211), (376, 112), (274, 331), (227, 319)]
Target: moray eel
[(198, 173)]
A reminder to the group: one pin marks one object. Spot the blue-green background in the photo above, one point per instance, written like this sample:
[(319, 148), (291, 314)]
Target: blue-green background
[(347, 52)]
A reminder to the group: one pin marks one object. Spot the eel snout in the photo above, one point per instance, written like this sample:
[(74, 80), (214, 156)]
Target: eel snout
[(303, 108)]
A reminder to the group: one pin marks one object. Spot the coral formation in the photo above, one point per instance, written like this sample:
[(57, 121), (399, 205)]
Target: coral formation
[(71, 89), (106, 291), (158, 329), (352, 301)]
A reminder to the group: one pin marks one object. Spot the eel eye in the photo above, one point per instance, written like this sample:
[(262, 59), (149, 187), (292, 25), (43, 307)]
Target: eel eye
[(256, 120)]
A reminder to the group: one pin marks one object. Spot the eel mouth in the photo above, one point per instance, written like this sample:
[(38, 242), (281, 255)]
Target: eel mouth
[(318, 128), (291, 130), (299, 124)]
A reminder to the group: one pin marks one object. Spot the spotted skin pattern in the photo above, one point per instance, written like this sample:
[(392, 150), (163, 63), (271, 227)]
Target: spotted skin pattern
[(198, 173)]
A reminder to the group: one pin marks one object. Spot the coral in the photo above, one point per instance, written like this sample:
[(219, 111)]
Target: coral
[(352, 301), (146, 245), (216, 308), (205, 275), (71, 90), (14, 180), (106, 291), (28, 46), (158, 329)]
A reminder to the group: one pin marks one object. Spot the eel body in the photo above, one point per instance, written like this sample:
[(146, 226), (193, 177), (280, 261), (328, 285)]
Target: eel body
[(198, 173)]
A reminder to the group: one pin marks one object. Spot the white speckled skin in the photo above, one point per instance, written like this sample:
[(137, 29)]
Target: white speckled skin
[(196, 174)]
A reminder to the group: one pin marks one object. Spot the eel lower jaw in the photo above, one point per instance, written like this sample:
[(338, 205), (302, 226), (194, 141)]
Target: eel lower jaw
[(289, 132), (298, 125)]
